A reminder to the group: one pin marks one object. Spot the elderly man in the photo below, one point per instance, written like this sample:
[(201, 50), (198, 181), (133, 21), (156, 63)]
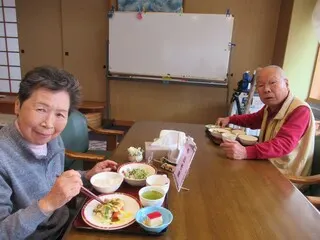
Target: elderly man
[(286, 122)]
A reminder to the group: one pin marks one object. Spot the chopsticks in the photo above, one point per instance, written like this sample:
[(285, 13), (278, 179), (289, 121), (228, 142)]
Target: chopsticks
[(88, 193)]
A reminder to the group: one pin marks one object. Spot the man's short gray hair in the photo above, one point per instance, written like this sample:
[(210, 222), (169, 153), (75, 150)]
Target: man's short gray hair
[(280, 72)]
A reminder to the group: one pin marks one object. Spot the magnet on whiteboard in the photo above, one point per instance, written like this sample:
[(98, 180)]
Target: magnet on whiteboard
[(228, 13), (167, 77), (111, 12)]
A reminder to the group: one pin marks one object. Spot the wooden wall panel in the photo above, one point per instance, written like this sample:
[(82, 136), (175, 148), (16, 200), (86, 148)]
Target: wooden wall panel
[(255, 29), (282, 32), (84, 25), (39, 29), (166, 102)]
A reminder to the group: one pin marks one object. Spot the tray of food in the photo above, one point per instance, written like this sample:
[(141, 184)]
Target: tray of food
[(219, 134), (130, 206)]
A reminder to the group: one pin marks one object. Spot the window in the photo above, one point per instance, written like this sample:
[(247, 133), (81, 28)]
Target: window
[(10, 70)]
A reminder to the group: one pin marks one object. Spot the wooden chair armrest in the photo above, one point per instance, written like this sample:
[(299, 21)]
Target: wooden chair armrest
[(315, 179), (111, 136), (106, 131), (84, 156), (314, 200)]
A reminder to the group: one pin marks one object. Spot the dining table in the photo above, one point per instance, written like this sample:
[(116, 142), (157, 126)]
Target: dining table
[(227, 199)]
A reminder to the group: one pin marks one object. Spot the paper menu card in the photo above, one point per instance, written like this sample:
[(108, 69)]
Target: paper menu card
[(184, 162)]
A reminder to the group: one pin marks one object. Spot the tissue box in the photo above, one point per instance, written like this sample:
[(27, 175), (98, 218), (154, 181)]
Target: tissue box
[(157, 151)]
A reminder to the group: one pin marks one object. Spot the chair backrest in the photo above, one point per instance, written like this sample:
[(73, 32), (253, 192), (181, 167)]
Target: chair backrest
[(314, 190), (75, 135), (316, 157)]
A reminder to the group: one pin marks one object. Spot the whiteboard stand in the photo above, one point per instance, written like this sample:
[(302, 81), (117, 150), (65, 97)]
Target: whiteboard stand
[(228, 101)]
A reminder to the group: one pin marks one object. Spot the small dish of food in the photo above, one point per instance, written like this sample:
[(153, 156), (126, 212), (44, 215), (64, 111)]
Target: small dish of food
[(136, 174), (247, 139), (238, 132), (217, 132), (154, 219), (227, 136), (209, 126)]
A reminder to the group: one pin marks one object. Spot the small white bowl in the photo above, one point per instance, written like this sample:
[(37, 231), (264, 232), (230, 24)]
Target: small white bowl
[(217, 132), (130, 166), (238, 132), (106, 182), (227, 136), (148, 202), (159, 180), (247, 139)]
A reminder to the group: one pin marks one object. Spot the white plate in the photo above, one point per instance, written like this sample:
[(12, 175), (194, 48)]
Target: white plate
[(131, 205)]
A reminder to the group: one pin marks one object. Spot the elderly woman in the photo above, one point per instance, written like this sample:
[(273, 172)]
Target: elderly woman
[(286, 122), (33, 187)]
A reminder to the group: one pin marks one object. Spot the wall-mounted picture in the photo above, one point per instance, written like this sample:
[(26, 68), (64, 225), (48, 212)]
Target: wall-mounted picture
[(150, 5)]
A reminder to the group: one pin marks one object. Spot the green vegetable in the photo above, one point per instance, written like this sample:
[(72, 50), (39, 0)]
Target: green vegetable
[(136, 173)]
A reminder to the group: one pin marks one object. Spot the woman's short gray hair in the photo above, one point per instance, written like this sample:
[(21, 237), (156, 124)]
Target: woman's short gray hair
[(53, 79)]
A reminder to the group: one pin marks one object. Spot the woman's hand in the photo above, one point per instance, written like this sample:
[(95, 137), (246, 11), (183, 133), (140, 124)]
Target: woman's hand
[(104, 166), (67, 185)]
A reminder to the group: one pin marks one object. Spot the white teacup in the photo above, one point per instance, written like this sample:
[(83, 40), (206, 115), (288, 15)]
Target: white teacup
[(152, 201), (159, 180)]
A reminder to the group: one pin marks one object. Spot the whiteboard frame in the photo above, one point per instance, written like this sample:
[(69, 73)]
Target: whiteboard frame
[(127, 77)]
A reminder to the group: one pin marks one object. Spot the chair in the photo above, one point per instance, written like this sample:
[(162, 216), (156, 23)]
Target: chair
[(75, 137), (313, 192)]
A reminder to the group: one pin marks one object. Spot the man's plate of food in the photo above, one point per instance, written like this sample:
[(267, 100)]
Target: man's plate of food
[(118, 212)]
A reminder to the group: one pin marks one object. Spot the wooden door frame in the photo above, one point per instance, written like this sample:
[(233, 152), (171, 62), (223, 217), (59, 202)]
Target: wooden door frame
[(310, 99)]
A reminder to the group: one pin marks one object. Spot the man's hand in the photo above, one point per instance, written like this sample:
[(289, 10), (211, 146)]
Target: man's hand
[(234, 150), (104, 166), (64, 189), (222, 122)]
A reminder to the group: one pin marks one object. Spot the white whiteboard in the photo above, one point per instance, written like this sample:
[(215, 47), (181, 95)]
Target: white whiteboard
[(184, 46)]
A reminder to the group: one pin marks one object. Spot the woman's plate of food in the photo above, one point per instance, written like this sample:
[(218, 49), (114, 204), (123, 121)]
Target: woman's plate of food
[(118, 212)]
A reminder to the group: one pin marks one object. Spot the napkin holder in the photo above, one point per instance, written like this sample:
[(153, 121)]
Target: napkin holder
[(155, 152), (169, 145)]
